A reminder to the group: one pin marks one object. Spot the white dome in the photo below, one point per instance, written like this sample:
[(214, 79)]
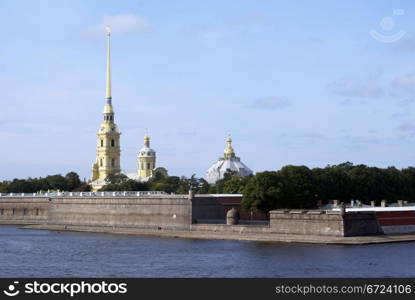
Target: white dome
[(146, 152), (229, 163), (217, 171)]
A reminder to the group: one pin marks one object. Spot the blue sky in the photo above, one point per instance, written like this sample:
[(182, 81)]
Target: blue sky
[(294, 82)]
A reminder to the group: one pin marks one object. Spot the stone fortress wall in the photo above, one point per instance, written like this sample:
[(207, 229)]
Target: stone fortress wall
[(180, 213), (24, 210)]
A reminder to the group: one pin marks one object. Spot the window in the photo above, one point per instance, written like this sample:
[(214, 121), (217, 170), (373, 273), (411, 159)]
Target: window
[(112, 143), (148, 165), (112, 162), (24, 211), (1, 211), (102, 143), (111, 118), (100, 162), (37, 211)]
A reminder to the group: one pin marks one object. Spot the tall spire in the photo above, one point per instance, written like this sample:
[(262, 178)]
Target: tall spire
[(108, 92)]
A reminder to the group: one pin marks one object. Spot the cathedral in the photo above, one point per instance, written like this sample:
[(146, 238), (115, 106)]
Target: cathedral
[(108, 155)]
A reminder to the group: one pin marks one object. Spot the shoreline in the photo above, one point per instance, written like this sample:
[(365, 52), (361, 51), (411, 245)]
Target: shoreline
[(193, 234)]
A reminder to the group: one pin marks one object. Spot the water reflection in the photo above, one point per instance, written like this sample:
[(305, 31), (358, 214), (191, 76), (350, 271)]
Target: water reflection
[(37, 253)]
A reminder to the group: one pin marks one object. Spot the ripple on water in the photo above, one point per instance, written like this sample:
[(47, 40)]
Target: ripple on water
[(39, 253)]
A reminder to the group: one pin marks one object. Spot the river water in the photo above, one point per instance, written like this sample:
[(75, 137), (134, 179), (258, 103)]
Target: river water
[(40, 253)]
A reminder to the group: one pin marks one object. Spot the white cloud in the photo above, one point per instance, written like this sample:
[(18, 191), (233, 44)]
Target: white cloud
[(407, 127), (406, 45), (270, 103), (357, 88), (405, 82), (120, 24)]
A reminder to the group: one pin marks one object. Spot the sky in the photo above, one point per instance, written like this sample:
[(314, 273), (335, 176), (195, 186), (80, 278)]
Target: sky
[(302, 82)]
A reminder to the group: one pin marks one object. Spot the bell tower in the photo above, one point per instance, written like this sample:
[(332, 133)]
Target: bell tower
[(108, 137), (146, 160)]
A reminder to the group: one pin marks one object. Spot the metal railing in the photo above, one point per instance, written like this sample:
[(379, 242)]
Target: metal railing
[(84, 194)]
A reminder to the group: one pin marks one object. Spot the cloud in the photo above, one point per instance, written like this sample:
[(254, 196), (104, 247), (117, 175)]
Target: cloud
[(205, 33), (346, 101), (407, 127), (212, 34), (406, 45), (270, 103), (403, 84), (120, 24), (366, 139), (406, 102), (241, 25), (353, 88), (251, 18)]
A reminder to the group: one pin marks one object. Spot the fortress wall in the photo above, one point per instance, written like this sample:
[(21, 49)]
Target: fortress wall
[(150, 212), (178, 212), (146, 211), (206, 207), (361, 223), (24, 210), (306, 223), (331, 223)]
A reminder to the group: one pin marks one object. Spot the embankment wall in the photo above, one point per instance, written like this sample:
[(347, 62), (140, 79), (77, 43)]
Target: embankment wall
[(15, 210), (191, 213)]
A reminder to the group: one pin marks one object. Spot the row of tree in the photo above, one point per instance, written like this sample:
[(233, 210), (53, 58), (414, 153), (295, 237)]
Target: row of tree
[(69, 182), (289, 187), (301, 187)]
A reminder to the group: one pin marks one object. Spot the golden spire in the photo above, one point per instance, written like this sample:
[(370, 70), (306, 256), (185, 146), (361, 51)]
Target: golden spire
[(229, 152), (108, 92)]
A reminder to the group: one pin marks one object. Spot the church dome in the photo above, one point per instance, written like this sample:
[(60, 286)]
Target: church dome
[(227, 164), (146, 151)]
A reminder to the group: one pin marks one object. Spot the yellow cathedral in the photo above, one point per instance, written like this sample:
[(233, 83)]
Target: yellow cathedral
[(108, 154)]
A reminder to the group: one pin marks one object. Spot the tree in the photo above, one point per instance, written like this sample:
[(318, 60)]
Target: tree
[(169, 184), (116, 178), (262, 192), (408, 184), (235, 184), (125, 185), (57, 182), (296, 187), (72, 180), (332, 182), (21, 186)]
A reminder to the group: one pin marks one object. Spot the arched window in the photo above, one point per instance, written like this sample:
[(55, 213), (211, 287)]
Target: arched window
[(100, 162), (102, 143), (112, 162), (112, 143)]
